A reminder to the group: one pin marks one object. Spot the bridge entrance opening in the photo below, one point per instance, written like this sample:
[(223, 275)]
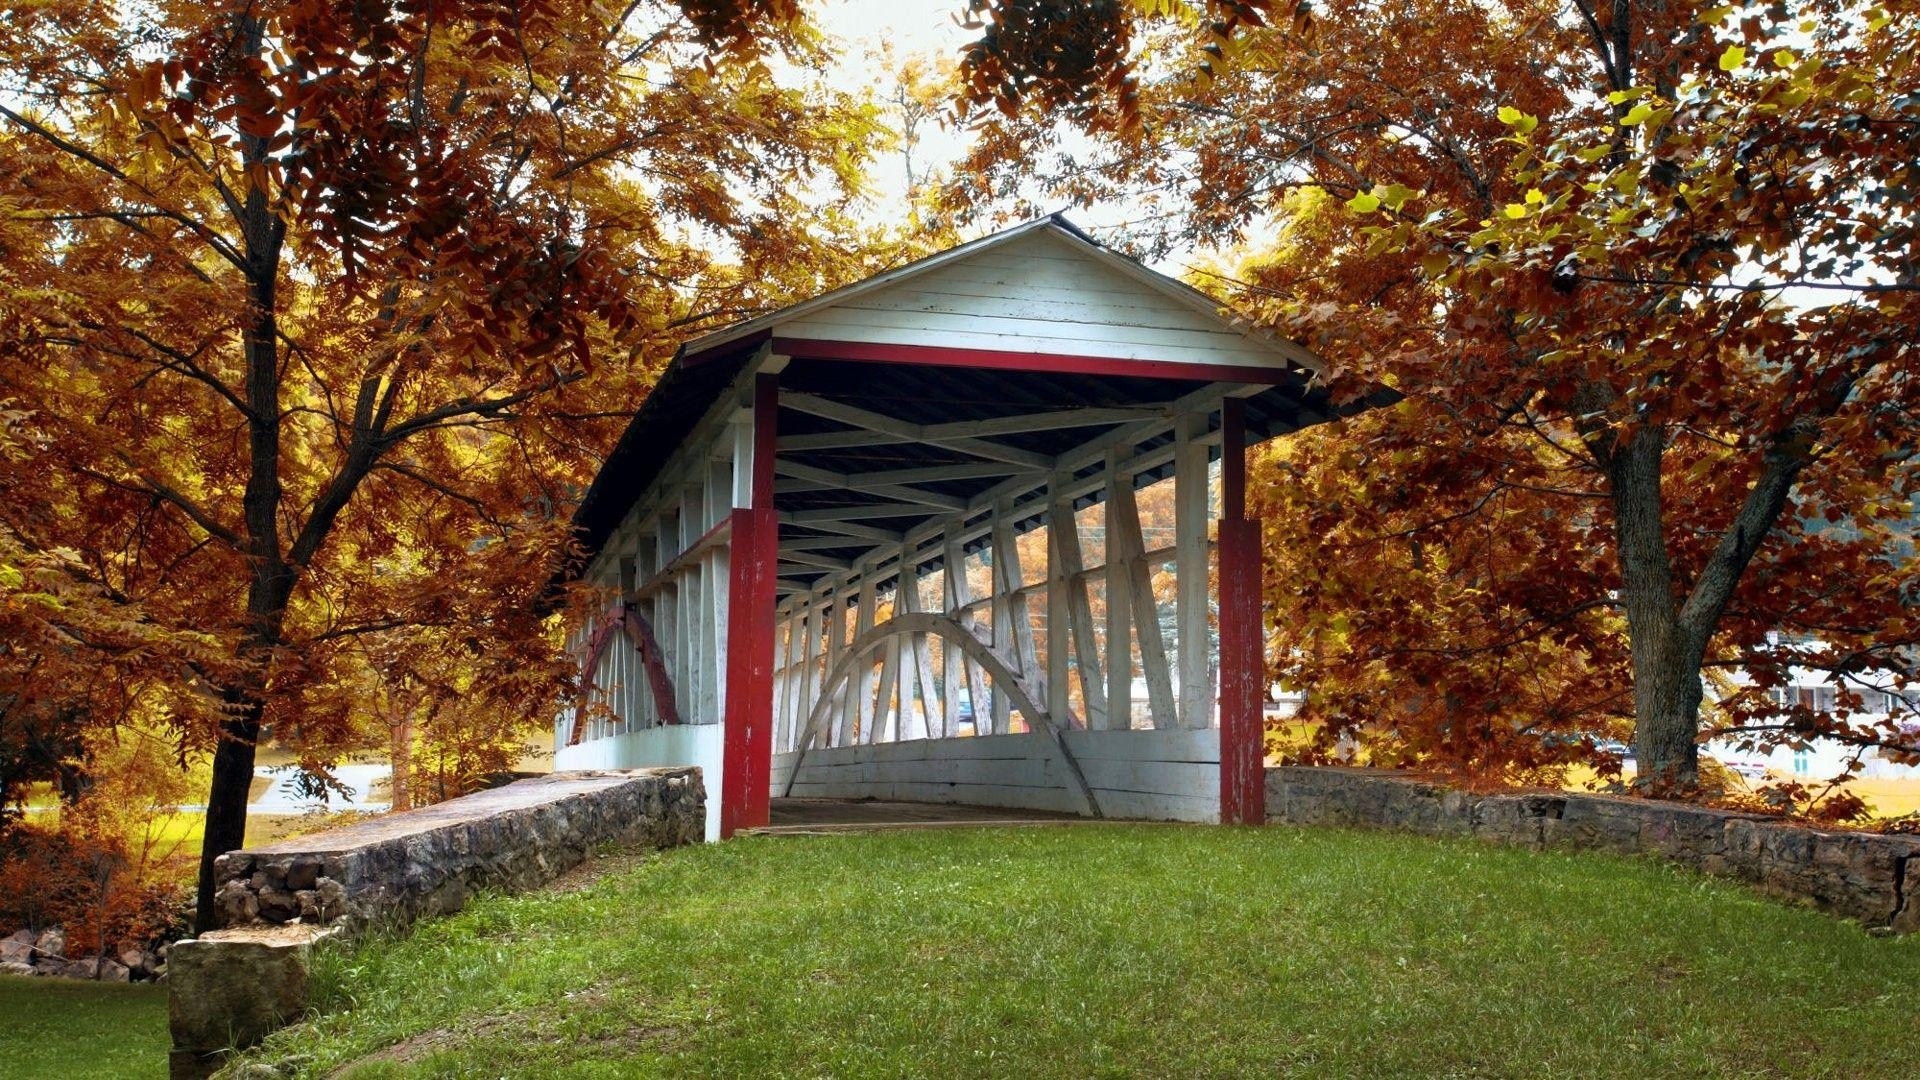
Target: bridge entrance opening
[(971, 532)]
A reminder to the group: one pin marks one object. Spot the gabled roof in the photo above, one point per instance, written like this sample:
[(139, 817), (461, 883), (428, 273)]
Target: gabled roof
[(1054, 224), (891, 310)]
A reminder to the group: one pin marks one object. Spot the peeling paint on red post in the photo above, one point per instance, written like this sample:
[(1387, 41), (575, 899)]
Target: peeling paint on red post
[(747, 751), (1243, 793), (1242, 777), (748, 747)]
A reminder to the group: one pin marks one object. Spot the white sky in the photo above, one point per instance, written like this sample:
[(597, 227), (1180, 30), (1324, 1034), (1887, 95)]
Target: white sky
[(912, 28), (910, 25)]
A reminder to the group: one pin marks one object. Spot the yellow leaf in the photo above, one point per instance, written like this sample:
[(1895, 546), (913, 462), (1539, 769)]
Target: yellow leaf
[(1518, 120), (1364, 203), (1732, 58), (1783, 58), (1639, 114), (1536, 196), (1516, 210), (1395, 195)]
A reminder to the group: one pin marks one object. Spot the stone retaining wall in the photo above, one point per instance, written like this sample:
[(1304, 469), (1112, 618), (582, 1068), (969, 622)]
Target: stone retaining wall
[(399, 867), (228, 988), (26, 953), (1871, 877)]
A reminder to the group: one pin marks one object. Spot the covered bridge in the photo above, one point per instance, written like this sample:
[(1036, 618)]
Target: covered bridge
[(973, 530)]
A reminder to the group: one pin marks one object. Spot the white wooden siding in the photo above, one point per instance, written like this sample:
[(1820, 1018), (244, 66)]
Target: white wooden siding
[(678, 744), (1167, 775), (1036, 294)]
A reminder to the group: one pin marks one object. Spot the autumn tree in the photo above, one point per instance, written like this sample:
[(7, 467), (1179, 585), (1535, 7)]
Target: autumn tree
[(323, 310), (1644, 273), (75, 657)]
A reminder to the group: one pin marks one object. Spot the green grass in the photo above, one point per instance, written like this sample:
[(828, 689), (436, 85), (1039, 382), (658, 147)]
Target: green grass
[(68, 1028), (1122, 951)]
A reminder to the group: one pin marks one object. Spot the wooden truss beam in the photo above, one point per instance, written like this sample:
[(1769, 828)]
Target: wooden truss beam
[(855, 530), (859, 512), (916, 657), (1012, 621), (804, 557), (959, 666), (899, 430), (1063, 531), (924, 539), (1126, 550), (839, 481), (1192, 646), (1024, 693), (859, 481), (893, 431)]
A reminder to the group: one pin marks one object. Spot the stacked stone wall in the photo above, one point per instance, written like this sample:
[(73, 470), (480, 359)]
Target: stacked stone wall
[(230, 987), (1871, 877), (401, 867)]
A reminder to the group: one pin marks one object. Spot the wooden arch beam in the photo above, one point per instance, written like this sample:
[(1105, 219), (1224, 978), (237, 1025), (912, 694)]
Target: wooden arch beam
[(626, 618), (1027, 698)]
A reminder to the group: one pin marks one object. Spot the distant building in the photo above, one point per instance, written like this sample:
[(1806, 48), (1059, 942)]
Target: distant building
[(1824, 758)]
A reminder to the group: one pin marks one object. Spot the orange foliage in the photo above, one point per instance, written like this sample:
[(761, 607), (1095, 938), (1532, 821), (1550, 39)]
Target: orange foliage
[(324, 311), (1645, 285)]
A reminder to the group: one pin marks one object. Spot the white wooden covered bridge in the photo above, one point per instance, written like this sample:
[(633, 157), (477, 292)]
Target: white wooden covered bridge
[(954, 533)]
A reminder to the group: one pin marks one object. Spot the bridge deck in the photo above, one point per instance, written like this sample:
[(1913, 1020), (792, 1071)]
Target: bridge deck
[(801, 816)]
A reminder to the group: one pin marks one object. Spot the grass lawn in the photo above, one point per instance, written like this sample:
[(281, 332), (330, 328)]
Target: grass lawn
[(1121, 951), (68, 1028)]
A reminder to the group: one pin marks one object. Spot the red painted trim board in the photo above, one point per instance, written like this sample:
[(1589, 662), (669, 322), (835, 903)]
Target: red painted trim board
[(942, 356)]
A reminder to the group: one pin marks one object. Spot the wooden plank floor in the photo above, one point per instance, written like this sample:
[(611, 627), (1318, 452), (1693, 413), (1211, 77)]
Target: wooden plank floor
[(803, 816)]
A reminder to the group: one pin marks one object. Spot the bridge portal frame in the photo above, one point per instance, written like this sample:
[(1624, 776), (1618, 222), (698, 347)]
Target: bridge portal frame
[(795, 520)]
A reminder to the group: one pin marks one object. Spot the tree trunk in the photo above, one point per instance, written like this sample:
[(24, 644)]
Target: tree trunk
[(226, 804), (1666, 661), (400, 751), (1666, 722), (271, 587), (233, 757)]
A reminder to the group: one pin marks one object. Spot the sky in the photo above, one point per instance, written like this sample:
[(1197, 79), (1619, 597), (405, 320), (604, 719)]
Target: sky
[(910, 25), (923, 28), (911, 28)]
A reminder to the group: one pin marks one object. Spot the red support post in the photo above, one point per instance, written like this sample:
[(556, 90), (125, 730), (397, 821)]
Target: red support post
[(747, 750), (1243, 787), (1233, 459)]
